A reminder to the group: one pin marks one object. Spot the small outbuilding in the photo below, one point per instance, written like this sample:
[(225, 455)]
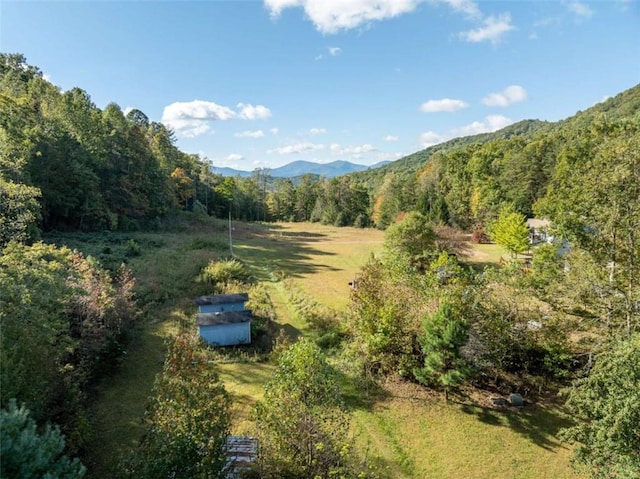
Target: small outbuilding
[(539, 231), (242, 453), (221, 303), (222, 320)]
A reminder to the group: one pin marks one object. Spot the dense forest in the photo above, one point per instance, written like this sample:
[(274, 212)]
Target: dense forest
[(566, 317)]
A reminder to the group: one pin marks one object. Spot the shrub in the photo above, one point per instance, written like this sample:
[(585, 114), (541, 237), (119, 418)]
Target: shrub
[(133, 248), (219, 273)]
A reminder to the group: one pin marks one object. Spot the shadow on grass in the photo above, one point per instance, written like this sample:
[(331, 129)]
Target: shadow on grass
[(290, 252), (538, 424), (292, 332), (306, 235), (359, 394), (118, 403)]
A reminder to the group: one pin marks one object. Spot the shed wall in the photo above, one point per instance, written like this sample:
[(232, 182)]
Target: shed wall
[(226, 334)]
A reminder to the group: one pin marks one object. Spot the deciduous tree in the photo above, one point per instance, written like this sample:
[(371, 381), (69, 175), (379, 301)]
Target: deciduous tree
[(188, 419), (301, 422), (510, 231)]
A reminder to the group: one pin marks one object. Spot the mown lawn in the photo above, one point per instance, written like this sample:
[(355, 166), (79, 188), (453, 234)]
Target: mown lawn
[(415, 434), (404, 429), (321, 259)]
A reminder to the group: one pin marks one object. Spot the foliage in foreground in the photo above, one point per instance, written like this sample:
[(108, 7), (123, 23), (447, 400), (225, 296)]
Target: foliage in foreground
[(301, 423), (607, 404), (28, 454), (188, 418), (62, 319)]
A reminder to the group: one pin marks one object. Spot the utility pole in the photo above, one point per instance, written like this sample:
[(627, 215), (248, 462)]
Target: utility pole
[(230, 239)]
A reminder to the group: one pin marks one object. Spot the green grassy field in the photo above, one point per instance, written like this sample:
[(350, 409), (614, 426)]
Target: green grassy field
[(404, 429)]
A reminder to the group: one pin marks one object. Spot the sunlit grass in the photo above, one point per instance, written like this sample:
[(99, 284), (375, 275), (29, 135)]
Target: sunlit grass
[(244, 382), (322, 259), (417, 435)]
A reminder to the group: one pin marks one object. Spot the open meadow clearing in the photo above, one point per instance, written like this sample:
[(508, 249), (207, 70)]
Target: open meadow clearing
[(404, 429)]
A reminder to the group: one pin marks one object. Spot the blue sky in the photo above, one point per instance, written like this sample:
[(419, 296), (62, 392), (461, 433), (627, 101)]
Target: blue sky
[(251, 84)]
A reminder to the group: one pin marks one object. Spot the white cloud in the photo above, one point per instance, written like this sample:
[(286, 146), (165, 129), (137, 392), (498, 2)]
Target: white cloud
[(489, 124), (510, 95), (189, 119), (233, 157), (445, 104), (351, 150), (333, 51), (297, 148), (332, 16), (250, 134), (276, 6), (547, 21), (580, 9), (493, 28), (430, 138), (390, 138), (317, 131), (47, 77), (127, 110), (274, 131), (250, 112), (468, 7)]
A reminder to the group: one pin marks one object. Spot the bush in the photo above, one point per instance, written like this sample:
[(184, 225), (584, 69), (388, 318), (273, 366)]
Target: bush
[(219, 273), (361, 221), (187, 420), (133, 248)]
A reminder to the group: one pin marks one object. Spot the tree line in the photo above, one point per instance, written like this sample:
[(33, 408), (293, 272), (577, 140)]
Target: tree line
[(68, 165)]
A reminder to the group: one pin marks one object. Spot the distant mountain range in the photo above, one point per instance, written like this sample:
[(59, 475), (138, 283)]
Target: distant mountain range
[(299, 168)]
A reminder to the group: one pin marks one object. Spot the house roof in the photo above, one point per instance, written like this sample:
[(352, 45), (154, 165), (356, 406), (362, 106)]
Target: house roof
[(229, 317), (241, 452), (537, 223), (222, 299)]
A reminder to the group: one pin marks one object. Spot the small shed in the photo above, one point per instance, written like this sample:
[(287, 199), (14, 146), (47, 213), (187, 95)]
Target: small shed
[(241, 452), (229, 328), (221, 303)]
